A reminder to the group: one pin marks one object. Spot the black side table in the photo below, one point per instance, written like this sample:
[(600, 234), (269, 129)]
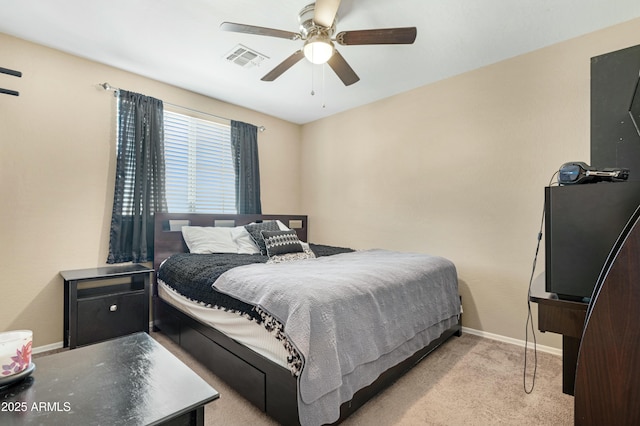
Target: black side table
[(105, 302), (131, 380)]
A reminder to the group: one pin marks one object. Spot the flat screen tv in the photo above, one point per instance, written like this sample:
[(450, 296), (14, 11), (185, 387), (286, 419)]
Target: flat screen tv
[(582, 223)]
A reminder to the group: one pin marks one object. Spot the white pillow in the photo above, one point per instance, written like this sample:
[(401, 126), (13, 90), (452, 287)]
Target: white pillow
[(209, 239), (282, 226), (243, 241)]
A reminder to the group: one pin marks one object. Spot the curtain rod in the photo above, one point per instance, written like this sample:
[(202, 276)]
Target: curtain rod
[(106, 86), (13, 73)]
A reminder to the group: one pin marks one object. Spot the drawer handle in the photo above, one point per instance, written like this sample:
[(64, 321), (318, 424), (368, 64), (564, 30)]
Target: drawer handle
[(113, 308)]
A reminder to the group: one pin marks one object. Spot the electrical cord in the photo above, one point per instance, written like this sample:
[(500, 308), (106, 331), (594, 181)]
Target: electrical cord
[(529, 323)]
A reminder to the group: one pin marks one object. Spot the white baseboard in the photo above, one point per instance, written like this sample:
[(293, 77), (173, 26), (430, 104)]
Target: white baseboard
[(45, 348), (517, 342), (59, 345)]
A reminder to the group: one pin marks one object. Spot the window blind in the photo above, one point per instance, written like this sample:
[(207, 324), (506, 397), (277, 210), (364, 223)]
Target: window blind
[(199, 173)]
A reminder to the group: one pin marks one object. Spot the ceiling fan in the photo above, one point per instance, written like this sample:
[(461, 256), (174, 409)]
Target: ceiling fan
[(317, 27)]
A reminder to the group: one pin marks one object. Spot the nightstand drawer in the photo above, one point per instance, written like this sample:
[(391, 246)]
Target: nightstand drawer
[(105, 317)]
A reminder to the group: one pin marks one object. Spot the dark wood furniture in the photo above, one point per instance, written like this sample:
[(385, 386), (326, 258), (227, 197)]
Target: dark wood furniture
[(608, 373), (563, 317), (267, 385), (105, 302), (614, 76), (131, 380)]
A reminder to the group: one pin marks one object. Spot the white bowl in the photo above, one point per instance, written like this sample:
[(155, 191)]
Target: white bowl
[(15, 351)]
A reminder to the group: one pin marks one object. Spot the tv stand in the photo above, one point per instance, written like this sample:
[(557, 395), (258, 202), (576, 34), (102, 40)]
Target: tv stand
[(564, 317)]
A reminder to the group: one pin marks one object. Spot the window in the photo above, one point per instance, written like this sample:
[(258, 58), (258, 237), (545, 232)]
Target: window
[(199, 173)]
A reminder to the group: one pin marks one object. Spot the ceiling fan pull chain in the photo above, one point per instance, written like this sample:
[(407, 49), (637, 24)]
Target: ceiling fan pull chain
[(324, 87), (312, 80)]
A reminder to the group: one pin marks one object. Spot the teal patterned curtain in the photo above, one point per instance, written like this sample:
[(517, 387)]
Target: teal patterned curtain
[(139, 187), (244, 147)]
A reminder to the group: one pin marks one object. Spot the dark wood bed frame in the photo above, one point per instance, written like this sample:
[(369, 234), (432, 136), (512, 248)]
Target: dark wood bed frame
[(268, 386)]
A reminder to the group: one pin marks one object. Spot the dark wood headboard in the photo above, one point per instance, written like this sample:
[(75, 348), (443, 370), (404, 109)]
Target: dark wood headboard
[(167, 241)]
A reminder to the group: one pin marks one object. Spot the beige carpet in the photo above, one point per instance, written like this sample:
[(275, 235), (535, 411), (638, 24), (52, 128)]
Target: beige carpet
[(468, 381)]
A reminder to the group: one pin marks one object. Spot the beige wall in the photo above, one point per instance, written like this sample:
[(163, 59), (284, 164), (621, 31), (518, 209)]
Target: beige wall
[(57, 162), (455, 168), (458, 168)]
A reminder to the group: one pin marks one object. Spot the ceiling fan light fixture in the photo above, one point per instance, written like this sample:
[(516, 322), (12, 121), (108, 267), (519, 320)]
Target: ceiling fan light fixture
[(318, 49)]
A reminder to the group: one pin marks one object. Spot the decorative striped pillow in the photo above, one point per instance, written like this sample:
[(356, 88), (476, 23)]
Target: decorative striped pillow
[(281, 242)]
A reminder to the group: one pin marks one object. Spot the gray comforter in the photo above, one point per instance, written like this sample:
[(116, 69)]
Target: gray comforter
[(351, 316)]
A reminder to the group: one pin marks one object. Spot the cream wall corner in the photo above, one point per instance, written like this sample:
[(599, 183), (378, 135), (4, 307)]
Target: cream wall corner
[(457, 168)]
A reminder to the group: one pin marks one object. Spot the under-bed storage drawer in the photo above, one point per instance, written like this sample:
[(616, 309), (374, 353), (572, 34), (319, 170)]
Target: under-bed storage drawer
[(165, 321), (250, 384)]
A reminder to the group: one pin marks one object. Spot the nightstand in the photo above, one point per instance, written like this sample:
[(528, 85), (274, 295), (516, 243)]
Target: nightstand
[(105, 302)]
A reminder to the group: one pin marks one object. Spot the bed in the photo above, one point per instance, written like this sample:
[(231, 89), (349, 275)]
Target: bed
[(264, 329)]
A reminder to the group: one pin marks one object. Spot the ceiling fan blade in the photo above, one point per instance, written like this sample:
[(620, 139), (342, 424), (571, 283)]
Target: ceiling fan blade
[(325, 12), (252, 29), (405, 35), (344, 71), (283, 66)]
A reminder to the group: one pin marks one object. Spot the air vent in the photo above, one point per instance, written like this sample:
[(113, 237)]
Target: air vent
[(245, 57)]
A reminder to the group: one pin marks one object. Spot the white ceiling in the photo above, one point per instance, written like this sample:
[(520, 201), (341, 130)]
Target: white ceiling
[(179, 42)]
